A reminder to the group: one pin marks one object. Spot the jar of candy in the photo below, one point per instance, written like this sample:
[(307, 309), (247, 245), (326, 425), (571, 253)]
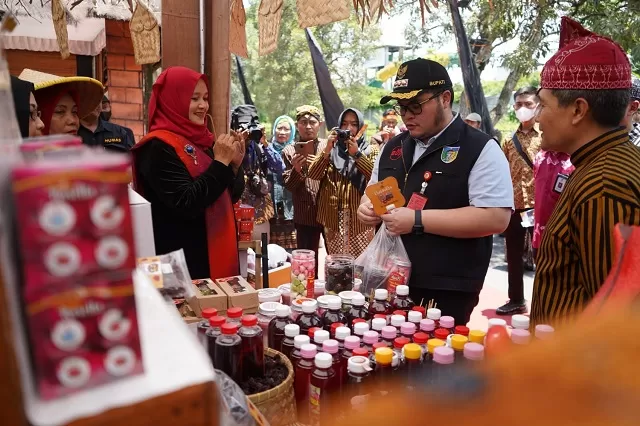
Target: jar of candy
[(285, 292), (303, 272), (319, 288), (338, 272), (268, 295), (296, 307), (399, 273), (266, 312)]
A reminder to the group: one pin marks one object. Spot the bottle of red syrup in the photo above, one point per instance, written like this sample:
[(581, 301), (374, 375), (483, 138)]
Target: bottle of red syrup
[(402, 301), (389, 333), (414, 317), (420, 309), (276, 327), (252, 347), (358, 321), (341, 334), (333, 314), (302, 379), (379, 304), (288, 344), (234, 315), (357, 386), (448, 323), (357, 310), (203, 325), (441, 333), (350, 344), (320, 388), (228, 352), (334, 327), (298, 341), (309, 317), (462, 330), (331, 347), (213, 332), (428, 327), (434, 314)]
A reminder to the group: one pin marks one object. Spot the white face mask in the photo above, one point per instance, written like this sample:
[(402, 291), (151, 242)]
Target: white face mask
[(525, 114)]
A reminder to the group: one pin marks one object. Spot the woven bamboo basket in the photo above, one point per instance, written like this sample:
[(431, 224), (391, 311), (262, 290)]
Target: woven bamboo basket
[(145, 35), (277, 405)]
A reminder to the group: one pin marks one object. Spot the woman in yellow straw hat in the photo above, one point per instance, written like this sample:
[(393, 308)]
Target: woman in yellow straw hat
[(63, 100)]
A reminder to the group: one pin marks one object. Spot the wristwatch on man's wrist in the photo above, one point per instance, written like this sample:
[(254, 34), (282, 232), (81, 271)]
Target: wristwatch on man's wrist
[(418, 229)]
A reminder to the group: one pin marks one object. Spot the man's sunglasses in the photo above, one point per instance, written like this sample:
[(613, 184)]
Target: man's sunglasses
[(414, 108)]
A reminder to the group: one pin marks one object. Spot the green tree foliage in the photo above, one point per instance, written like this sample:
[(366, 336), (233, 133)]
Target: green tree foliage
[(284, 79)]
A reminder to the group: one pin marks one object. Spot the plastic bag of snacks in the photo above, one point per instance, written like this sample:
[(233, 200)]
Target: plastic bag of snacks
[(236, 410), (384, 264), (169, 274)]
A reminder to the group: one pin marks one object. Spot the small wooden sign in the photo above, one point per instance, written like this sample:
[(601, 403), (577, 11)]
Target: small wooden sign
[(385, 195)]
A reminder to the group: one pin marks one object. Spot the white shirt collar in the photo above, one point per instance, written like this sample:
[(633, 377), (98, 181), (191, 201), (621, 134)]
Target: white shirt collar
[(433, 138)]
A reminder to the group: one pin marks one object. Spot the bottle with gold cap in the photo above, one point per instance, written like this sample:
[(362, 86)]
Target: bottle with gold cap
[(412, 358), (477, 336), (384, 365), (457, 344), (432, 344)]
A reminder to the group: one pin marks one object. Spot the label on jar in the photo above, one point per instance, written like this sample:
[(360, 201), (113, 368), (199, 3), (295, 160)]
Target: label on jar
[(311, 284)]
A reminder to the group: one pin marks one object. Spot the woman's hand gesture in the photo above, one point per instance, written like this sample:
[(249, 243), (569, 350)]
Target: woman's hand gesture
[(224, 149)]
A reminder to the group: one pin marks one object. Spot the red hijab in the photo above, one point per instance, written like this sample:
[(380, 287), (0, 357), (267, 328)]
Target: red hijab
[(169, 105), (48, 99)]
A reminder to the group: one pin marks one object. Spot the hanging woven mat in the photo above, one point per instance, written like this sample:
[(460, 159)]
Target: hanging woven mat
[(145, 35), (269, 19), (312, 13), (237, 30), (59, 17)]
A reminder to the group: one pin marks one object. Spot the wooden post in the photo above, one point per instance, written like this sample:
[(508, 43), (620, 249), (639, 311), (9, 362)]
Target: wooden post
[(181, 33), (218, 62)]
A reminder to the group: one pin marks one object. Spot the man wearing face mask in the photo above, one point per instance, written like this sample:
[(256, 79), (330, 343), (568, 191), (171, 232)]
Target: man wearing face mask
[(520, 149), (106, 109)]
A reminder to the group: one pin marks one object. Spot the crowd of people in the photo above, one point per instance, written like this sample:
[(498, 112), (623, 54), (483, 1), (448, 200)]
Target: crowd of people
[(572, 161)]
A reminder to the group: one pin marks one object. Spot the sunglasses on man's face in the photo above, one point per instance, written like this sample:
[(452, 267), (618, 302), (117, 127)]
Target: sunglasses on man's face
[(414, 108)]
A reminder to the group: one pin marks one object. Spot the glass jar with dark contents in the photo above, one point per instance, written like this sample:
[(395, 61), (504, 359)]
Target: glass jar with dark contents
[(338, 272)]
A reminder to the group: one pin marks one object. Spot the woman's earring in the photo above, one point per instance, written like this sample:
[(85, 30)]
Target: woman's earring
[(213, 128)]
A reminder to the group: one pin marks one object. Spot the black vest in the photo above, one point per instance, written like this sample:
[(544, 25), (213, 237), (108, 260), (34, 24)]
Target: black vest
[(441, 263)]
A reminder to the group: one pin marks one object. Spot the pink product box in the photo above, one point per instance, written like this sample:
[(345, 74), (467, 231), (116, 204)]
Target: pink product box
[(83, 337), (72, 221)]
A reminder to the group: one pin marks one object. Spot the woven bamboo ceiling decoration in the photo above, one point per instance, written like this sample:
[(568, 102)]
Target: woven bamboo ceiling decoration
[(312, 13)]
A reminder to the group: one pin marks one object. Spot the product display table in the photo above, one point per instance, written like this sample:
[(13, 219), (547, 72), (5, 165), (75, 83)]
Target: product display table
[(176, 388)]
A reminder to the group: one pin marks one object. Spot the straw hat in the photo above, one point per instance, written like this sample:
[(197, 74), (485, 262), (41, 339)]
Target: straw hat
[(89, 90)]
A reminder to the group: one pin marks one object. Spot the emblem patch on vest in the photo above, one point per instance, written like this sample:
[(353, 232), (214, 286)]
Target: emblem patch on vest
[(396, 153), (449, 154)]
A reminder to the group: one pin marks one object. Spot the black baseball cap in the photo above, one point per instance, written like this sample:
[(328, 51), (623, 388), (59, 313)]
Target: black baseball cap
[(416, 76)]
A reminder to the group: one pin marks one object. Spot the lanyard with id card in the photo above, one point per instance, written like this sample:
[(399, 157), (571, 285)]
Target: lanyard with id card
[(418, 199)]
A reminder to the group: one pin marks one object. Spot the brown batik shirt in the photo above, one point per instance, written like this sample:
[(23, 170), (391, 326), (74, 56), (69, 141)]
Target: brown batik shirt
[(521, 172)]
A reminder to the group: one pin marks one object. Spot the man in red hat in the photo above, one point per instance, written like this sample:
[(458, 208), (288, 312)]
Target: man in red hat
[(584, 95)]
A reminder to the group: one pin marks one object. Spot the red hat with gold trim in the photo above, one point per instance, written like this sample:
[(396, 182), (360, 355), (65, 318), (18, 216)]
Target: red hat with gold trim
[(586, 61)]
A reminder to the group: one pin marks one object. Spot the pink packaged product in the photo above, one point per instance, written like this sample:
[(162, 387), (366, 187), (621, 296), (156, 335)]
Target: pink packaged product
[(76, 250)]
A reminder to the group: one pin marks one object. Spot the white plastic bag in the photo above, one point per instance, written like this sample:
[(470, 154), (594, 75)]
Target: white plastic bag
[(377, 263)]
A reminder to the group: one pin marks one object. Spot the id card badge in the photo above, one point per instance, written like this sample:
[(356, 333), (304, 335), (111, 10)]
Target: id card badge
[(417, 202)]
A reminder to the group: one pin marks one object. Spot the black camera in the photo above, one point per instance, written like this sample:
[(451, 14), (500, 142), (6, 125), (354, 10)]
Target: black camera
[(342, 136), (255, 131)]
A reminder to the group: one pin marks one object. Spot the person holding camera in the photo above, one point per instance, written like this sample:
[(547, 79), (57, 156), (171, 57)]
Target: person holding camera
[(190, 180), (343, 169), (260, 159), (388, 128)]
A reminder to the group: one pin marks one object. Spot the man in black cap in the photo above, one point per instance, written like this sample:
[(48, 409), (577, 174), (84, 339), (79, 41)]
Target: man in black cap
[(95, 131), (457, 185)]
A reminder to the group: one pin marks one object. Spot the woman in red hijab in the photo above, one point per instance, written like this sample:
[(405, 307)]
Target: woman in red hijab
[(190, 181)]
